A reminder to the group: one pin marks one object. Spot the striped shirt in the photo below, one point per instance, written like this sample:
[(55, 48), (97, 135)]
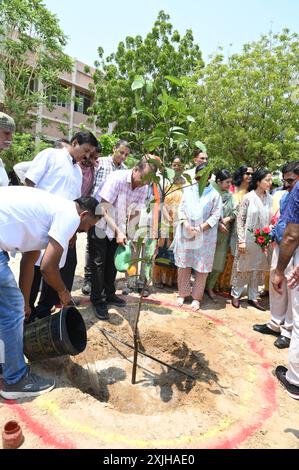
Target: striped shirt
[(105, 167), (117, 191)]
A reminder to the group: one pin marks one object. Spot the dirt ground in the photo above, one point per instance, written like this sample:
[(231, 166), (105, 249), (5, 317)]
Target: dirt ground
[(233, 399)]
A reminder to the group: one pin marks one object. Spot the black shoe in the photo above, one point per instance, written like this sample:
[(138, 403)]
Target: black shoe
[(265, 330), (292, 390), (86, 289), (235, 302), (146, 291), (101, 311), (255, 304), (29, 386), (127, 290), (282, 342), (264, 293), (115, 300)]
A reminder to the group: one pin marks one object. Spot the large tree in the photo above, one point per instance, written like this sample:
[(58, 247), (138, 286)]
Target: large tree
[(31, 51), (162, 52), (246, 107)]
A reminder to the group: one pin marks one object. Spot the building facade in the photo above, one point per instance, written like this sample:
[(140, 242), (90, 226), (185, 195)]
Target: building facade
[(68, 114)]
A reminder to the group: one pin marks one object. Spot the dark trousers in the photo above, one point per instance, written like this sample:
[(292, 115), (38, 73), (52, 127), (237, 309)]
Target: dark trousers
[(87, 267), (49, 296), (103, 272)]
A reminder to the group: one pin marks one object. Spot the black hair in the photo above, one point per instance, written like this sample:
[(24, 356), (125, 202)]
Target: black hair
[(58, 143), (85, 137), (89, 204), (238, 175), (292, 167), (197, 151), (257, 176), (222, 175), (124, 143), (99, 147)]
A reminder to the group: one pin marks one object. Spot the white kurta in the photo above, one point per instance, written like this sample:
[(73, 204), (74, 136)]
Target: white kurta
[(254, 213), (4, 181), (197, 251)]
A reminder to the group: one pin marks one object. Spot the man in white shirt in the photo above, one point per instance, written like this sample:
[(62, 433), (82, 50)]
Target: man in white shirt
[(57, 171), (7, 128), (21, 168), (32, 220)]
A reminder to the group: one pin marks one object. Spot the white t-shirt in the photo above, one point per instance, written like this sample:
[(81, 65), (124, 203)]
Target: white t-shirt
[(4, 181), (29, 217), (21, 169), (53, 171)]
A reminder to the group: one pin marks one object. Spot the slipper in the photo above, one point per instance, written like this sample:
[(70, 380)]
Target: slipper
[(195, 305), (180, 301)]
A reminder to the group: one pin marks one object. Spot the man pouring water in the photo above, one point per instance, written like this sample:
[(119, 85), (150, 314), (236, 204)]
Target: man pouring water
[(32, 220)]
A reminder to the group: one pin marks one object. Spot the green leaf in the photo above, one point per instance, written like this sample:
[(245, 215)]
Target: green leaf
[(153, 142), (204, 176), (139, 244), (137, 84), (176, 128), (174, 80), (169, 174), (149, 87), (150, 248), (137, 100), (187, 178), (179, 133), (200, 145), (190, 118), (165, 261), (147, 113)]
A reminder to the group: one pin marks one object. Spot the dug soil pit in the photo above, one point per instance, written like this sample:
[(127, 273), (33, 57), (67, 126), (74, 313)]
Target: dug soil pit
[(174, 410), (233, 401)]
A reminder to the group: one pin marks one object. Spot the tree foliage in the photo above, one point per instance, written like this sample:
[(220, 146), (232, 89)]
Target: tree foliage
[(31, 49), (23, 149), (135, 74), (247, 107)]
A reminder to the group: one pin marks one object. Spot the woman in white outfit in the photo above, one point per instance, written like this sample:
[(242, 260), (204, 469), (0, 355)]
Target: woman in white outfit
[(195, 239), (251, 262)]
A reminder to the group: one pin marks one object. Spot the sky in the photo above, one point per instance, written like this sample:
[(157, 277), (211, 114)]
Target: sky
[(228, 23)]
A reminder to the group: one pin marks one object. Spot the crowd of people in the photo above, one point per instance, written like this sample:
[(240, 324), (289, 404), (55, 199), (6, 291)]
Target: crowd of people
[(206, 233)]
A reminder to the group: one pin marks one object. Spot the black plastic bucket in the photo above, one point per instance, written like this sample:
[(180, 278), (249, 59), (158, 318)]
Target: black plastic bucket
[(56, 335)]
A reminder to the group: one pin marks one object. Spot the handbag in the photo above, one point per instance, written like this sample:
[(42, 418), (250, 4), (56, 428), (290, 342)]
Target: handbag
[(165, 257)]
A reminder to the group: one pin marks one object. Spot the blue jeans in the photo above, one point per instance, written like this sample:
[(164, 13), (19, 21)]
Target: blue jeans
[(11, 324)]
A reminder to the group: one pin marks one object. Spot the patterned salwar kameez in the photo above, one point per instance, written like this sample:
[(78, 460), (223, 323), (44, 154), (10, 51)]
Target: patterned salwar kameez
[(196, 251)]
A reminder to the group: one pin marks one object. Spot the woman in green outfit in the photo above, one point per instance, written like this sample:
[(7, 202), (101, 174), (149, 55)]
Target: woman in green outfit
[(222, 184)]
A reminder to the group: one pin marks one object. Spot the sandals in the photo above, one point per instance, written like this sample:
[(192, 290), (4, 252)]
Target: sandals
[(180, 301), (195, 305)]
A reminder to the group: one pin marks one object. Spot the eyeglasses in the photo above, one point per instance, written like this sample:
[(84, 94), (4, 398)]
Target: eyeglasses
[(248, 173), (289, 180)]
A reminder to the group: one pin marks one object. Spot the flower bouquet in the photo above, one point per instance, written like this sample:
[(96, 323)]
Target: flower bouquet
[(263, 238)]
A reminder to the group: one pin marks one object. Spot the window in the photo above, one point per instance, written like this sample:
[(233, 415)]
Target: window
[(82, 102), (59, 96)]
